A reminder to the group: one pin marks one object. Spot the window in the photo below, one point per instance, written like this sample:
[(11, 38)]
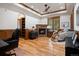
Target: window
[(54, 22)]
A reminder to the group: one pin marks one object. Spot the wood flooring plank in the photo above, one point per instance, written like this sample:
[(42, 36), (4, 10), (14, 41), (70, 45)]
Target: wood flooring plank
[(41, 47)]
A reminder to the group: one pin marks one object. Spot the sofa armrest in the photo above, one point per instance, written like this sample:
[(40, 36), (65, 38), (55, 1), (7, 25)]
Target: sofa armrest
[(11, 41), (69, 42)]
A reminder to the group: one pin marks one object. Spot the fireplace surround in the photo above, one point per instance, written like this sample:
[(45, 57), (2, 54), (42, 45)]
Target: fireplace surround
[(42, 29)]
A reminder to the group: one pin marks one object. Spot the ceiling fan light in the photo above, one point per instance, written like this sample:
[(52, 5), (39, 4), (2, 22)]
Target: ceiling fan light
[(45, 5)]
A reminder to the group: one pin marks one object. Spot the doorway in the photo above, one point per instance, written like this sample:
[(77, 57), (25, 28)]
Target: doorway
[(21, 25)]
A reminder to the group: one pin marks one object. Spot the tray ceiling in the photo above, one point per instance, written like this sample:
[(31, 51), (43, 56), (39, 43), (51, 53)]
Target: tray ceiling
[(40, 7)]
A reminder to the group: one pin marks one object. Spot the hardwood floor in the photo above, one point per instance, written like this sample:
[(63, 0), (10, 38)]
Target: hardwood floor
[(42, 47)]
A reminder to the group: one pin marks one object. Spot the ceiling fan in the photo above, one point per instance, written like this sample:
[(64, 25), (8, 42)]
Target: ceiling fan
[(46, 8)]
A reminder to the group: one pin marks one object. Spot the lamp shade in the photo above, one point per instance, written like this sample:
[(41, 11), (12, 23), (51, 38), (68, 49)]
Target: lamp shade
[(49, 27)]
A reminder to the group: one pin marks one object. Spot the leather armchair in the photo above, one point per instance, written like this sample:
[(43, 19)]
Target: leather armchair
[(13, 41), (33, 34)]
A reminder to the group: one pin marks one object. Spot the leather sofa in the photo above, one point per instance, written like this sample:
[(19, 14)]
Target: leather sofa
[(71, 49), (12, 43)]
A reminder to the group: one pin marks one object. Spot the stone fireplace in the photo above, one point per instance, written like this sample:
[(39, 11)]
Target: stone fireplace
[(42, 29)]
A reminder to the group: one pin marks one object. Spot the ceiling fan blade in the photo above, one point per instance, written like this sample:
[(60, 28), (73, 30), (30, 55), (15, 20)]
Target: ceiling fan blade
[(47, 9)]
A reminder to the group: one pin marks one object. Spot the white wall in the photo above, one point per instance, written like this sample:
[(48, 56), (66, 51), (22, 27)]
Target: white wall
[(76, 27), (43, 21), (63, 19), (77, 19), (77, 22), (30, 21), (8, 19)]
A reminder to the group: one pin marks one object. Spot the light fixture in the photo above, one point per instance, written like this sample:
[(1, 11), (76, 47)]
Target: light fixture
[(49, 27), (46, 8), (20, 16)]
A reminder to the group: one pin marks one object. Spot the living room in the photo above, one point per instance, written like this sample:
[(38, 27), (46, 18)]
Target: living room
[(41, 27)]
